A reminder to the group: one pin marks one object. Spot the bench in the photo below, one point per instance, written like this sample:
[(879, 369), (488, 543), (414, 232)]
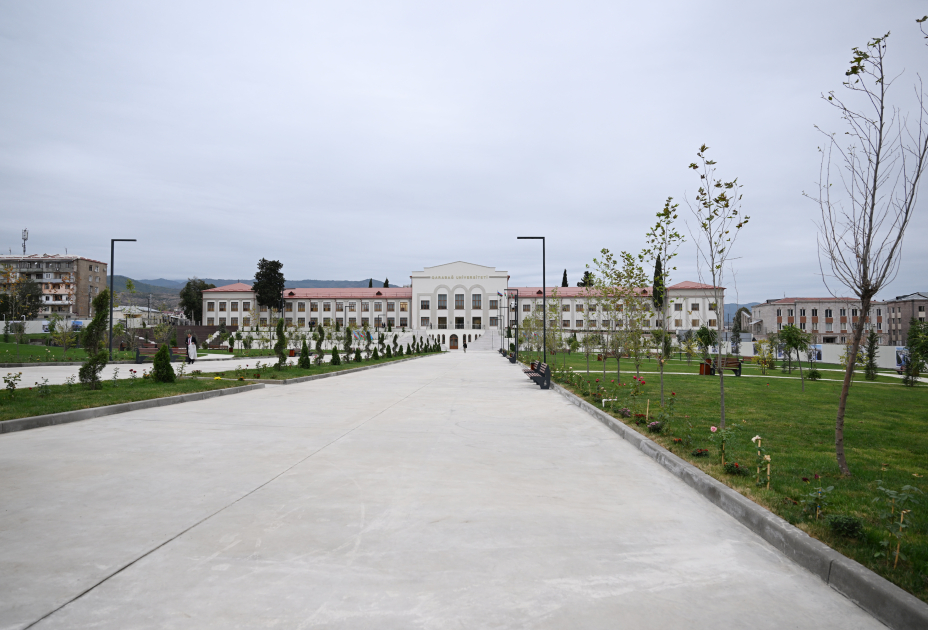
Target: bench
[(177, 354), (727, 363), (540, 373)]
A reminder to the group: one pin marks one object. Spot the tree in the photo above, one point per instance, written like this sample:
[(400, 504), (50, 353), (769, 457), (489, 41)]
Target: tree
[(587, 280), (793, 338), (336, 360), (61, 333), (717, 210), (917, 345), (662, 241), (737, 328), (864, 218), (706, 338), (92, 339), (386, 283), (564, 280), (873, 341), (619, 281), (191, 298), (304, 362), (28, 300), (269, 284), (370, 283), (280, 346), (161, 371)]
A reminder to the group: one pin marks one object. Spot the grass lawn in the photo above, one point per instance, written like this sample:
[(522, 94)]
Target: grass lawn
[(29, 402), (37, 354), (885, 439), (292, 371)]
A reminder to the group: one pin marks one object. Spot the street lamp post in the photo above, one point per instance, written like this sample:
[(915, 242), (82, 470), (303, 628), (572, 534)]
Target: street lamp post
[(544, 295), (112, 276), (516, 332)]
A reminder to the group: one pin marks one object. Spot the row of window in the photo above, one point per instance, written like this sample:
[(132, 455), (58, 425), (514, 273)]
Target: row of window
[(829, 327), (898, 309), (351, 307), (301, 322), (580, 307), (476, 302)]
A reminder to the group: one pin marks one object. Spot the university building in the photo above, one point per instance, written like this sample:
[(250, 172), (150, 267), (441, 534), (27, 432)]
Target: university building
[(828, 320), (450, 297)]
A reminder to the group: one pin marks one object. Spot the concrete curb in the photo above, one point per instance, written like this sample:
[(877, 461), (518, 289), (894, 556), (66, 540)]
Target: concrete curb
[(35, 422), (881, 598)]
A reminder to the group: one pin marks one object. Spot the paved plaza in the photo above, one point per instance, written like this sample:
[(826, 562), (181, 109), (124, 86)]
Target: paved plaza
[(445, 492)]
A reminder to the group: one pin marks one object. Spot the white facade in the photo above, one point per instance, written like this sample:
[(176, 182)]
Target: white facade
[(458, 295)]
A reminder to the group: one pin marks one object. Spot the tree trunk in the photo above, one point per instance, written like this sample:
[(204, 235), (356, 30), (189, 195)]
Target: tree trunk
[(846, 386), (801, 377), (719, 301)]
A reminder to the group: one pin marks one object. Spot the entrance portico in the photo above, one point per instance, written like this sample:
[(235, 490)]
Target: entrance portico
[(458, 295)]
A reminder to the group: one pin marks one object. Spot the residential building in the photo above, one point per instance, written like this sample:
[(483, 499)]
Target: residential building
[(901, 311), (69, 283), (827, 319)]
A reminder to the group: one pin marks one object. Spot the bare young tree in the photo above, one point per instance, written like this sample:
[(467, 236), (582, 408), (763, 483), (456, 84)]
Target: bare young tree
[(877, 165), (717, 210)]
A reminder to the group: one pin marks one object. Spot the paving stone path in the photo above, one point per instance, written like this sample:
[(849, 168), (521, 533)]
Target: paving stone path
[(448, 492)]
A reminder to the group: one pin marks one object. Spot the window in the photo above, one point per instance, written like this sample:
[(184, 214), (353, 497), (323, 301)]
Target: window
[(423, 305), (591, 308), (879, 325), (565, 323), (442, 302), (326, 321), (326, 307), (378, 307), (365, 322), (442, 322), (711, 306), (288, 306), (694, 323), (235, 321), (301, 307), (476, 323), (301, 322), (814, 312), (678, 323), (565, 308), (246, 321), (526, 308), (695, 307), (579, 323), (404, 307), (210, 306), (352, 307), (829, 327), (713, 323), (789, 312), (391, 306), (779, 313), (921, 309), (843, 312), (209, 321), (458, 301), (678, 307), (802, 312), (222, 306), (476, 300), (352, 321), (802, 325), (404, 322), (339, 307), (423, 322), (494, 321), (365, 307), (828, 312), (853, 312), (494, 304), (234, 307), (578, 308)]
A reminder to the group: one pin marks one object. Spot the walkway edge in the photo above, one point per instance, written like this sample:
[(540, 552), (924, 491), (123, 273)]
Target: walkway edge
[(51, 419), (313, 377), (878, 596)]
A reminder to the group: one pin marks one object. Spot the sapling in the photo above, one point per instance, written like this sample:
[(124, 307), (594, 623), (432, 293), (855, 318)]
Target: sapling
[(896, 502)]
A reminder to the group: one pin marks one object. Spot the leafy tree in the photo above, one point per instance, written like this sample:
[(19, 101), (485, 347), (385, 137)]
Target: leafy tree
[(280, 346), (162, 372), (92, 339), (917, 345), (61, 333), (191, 298), (706, 338), (269, 284), (22, 297), (717, 210), (564, 280), (873, 341), (587, 280), (793, 338), (879, 162)]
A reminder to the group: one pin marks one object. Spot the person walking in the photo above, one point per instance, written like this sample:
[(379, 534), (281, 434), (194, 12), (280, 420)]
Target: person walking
[(191, 348), (465, 345)]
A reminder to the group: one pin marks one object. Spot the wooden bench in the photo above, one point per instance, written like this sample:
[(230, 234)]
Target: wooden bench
[(540, 373), (727, 363), (177, 354)]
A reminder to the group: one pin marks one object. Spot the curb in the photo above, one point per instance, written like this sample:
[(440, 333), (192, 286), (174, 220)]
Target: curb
[(47, 420), (58, 364), (313, 377), (878, 596)]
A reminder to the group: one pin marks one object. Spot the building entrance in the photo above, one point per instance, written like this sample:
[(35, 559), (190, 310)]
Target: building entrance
[(454, 342)]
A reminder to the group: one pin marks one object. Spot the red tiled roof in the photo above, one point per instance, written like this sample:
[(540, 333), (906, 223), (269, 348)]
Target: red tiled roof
[(686, 284), (349, 293), (229, 288), (813, 299)]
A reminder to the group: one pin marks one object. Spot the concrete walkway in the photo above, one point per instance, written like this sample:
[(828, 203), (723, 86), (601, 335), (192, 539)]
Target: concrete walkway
[(448, 492)]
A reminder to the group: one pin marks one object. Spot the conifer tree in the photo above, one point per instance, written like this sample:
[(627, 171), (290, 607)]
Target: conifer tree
[(357, 355), (336, 360), (376, 356), (389, 353), (92, 340), (280, 347), (304, 356), (162, 372)]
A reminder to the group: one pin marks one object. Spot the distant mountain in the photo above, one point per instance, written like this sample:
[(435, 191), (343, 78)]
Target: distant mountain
[(731, 309), (141, 286), (291, 284)]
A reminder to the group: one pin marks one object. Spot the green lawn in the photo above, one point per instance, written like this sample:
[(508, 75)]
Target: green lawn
[(25, 353), (885, 439), (28, 400)]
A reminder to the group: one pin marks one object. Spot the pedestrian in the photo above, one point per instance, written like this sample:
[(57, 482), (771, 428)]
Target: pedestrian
[(191, 348), (465, 345)]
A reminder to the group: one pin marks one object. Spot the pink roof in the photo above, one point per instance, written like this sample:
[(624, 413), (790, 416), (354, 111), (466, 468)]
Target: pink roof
[(238, 286), (813, 299), (349, 293), (686, 284), (565, 292)]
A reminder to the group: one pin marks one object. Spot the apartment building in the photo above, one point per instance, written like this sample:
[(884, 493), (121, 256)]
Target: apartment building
[(69, 283), (828, 319), (901, 311)]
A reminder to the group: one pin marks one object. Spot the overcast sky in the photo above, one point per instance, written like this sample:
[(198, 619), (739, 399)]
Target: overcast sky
[(361, 139)]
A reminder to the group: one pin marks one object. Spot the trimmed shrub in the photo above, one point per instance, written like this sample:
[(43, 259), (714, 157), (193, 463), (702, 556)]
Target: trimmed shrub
[(304, 357), (89, 374), (846, 526), (280, 347), (389, 353), (357, 355), (162, 372), (814, 375), (376, 356), (336, 360)]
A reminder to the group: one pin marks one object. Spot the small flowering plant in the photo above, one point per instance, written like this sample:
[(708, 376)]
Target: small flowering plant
[(133, 376), (721, 437), (655, 427)]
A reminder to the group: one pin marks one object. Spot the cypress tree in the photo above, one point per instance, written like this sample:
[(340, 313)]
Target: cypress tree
[(376, 355), (304, 356), (386, 284), (336, 360), (92, 340), (162, 372), (389, 353), (370, 283), (280, 347), (357, 355), (564, 279)]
